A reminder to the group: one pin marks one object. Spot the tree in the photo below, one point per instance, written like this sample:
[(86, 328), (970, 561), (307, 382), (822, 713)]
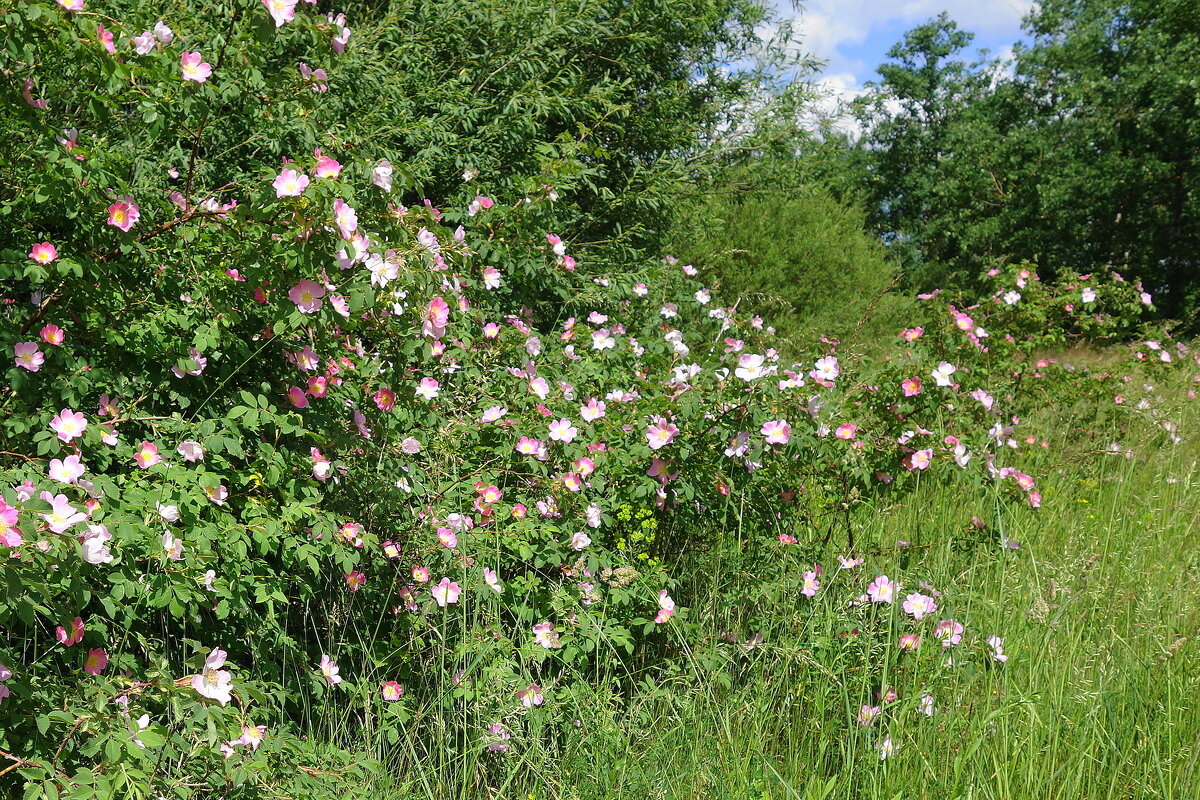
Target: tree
[(1119, 119), (785, 243), (1083, 158), (911, 114)]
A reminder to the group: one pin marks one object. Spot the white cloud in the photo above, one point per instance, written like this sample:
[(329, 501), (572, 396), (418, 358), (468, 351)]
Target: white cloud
[(837, 91), (982, 16), (826, 27), (826, 24)]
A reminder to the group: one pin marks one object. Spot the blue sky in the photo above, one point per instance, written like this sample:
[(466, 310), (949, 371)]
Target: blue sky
[(853, 36)]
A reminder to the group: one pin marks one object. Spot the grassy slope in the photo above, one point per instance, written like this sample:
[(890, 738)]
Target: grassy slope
[(1100, 698), (1099, 610)]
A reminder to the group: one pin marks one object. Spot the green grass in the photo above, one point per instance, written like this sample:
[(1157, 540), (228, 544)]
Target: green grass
[(1099, 609)]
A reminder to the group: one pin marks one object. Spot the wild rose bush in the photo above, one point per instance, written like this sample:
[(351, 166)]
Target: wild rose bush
[(1015, 334), (286, 458)]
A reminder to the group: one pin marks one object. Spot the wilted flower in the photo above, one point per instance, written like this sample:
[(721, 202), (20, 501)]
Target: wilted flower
[(997, 645), (173, 546), (381, 176), (73, 636), (501, 737), (886, 748), (144, 43), (95, 547), (531, 696), (949, 631), (545, 635), (867, 715)]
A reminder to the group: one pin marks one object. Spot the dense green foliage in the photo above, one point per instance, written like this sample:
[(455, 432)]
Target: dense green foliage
[(788, 247), (186, 282), (597, 99), (359, 438), (1084, 157)]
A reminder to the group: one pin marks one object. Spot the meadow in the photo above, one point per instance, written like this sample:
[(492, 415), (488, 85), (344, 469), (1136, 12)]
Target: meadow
[(1097, 698)]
